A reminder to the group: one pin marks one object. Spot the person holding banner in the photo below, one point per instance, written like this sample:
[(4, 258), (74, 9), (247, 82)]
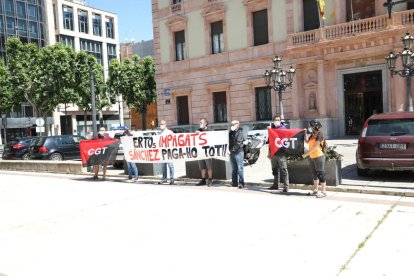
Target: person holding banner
[(236, 154), (165, 132), (205, 165), (132, 167), (101, 136), (317, 157), (279, 163)]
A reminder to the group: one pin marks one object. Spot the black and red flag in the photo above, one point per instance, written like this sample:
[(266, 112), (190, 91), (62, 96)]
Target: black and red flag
[(95, 152), (286, 142)]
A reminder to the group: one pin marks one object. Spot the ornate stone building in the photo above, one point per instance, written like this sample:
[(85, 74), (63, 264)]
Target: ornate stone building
[(211, 55)]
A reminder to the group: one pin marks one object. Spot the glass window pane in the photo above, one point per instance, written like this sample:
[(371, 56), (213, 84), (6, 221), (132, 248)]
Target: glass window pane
[(32, 12), (9, 7), (263, 104), (21, 9)]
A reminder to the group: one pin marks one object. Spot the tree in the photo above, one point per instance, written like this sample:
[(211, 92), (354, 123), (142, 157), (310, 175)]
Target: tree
[(134, 79), (6, 93), (40, 76), (84, 62), (56, 78)]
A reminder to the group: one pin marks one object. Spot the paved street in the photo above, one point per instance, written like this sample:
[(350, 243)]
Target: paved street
[(68, 225)]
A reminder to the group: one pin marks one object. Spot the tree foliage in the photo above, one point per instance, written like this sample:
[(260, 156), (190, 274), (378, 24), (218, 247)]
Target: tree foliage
[(134, 79), (6, 93)]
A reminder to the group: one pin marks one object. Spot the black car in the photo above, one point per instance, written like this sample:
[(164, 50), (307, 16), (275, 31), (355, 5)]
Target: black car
[(18, 148), (62, 147)]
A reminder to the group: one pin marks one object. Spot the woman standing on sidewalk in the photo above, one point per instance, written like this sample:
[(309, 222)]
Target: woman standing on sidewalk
[(132, 167), (317, 157)]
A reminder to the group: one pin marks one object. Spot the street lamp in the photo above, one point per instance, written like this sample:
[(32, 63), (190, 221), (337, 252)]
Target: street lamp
[(4, 123), (407, 61), (279, 80)]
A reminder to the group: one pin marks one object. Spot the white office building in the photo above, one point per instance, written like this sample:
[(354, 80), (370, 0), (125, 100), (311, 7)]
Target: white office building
[(94, 31)]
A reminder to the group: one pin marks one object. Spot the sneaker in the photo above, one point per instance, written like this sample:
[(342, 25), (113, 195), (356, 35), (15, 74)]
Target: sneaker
[(274, 187), (95, 177), (129, 177), (202, 182), (162, 182), (171, 182), (313, 193), (320, 194), (209, 182), (103, 178), (135, 179), (241, 185), (234, 184), (285, 188)]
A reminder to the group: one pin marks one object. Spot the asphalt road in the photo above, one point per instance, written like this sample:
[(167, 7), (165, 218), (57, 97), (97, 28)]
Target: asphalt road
[(70, 225)]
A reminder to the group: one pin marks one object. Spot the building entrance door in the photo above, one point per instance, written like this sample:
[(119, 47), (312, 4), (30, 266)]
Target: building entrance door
[(363, 97)]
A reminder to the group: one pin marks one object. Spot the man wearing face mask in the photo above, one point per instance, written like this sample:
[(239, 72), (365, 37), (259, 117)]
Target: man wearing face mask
[(279, 164), (165, 132), (101, 136), (236, 154), (205, 165)]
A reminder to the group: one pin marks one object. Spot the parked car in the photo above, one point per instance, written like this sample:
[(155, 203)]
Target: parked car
[(62, 147), (386, 143), (17, 149)]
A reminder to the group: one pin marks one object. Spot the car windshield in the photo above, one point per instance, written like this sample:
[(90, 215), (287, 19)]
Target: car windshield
[(398, 127)]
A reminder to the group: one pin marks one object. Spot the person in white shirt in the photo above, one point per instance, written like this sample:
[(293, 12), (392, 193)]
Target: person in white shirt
[(165, 132)]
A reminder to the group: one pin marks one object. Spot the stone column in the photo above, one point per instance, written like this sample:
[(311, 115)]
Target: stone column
[(321, 89)]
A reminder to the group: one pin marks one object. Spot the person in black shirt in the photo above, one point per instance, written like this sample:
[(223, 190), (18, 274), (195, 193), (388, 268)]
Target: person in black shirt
[(236, 154)]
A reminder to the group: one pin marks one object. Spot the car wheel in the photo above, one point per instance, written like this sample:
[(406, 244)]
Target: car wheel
[(26, 156), (362, 172), (56, 157)]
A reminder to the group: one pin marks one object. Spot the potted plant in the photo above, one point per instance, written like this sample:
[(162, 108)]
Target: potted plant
[(299, 168)]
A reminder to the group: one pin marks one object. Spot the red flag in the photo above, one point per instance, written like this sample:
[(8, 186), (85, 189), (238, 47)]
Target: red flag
[(286, 142), (95, 152)]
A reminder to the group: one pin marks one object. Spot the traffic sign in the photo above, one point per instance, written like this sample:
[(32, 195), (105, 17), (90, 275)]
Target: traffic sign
[(40, 122)]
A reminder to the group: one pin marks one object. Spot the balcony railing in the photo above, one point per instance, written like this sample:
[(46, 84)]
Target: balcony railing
[(368, 25), (176, 7)]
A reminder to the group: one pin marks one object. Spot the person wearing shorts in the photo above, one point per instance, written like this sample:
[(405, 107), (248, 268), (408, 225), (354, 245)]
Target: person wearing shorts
[(205, 165), (317, 157)]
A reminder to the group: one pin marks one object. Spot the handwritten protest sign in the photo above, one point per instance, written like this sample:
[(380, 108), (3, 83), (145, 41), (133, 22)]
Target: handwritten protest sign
[(184, 146)]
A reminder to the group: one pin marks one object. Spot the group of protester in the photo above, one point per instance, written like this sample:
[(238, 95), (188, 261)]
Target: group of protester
[(313, 136)]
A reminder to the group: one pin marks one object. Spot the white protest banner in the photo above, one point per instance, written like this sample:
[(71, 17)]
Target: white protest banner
[(184, 146)]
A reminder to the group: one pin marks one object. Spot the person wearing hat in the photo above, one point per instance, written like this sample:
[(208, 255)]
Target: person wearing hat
[(317, 157), (236, 154)]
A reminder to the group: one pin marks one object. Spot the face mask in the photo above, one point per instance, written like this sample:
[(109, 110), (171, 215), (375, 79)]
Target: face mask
[(233, 128), (201, 125), (162, 127)]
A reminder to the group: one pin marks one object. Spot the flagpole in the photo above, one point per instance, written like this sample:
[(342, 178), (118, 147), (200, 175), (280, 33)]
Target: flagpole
[(321, 21), (352, 18)]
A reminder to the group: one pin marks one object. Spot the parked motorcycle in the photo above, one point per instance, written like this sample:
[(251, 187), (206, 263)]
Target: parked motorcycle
[(251, 147)]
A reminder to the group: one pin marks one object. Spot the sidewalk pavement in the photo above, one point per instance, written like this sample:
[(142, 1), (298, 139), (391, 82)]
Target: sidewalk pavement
[(260, 174)]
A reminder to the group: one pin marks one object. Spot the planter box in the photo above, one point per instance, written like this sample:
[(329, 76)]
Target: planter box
[(221, 169), (300, 172), (150, 169)]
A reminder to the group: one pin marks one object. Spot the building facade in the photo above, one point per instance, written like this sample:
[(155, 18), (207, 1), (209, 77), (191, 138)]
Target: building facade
[(211, 55), (94, 31), (27, 20)]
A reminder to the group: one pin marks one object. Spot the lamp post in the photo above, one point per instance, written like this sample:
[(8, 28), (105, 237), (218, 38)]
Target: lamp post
[(4, 123), (279, 80), (407, 60)]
